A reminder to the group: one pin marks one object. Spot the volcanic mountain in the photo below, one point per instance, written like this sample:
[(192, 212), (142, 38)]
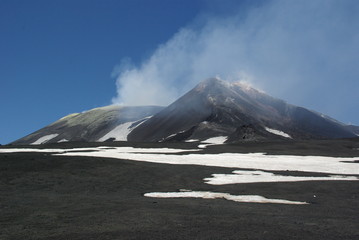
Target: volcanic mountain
[(213, 108), (99, 124), (237, 111)]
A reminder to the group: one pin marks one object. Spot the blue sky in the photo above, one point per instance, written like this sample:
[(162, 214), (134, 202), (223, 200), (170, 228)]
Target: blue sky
[(56, 57), (59, 57)]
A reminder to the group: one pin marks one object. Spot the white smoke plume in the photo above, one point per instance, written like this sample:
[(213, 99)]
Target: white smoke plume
[(305, 52)]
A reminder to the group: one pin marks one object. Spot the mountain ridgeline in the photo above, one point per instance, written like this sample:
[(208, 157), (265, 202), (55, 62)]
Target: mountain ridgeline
[(219, 108), (92, 125), (213, 108)]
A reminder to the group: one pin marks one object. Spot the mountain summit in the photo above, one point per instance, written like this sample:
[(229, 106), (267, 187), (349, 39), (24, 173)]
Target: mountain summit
[(238, 111), (213, 108)]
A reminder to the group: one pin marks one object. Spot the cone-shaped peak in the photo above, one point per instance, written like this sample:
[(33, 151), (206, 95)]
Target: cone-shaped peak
[(212, 83), (217, 83)]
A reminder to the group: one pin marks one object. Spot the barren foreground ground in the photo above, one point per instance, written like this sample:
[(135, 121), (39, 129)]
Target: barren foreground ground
[(43, 196)]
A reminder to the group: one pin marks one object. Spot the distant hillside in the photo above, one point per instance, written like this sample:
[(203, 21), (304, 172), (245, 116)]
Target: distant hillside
[(99, 124)]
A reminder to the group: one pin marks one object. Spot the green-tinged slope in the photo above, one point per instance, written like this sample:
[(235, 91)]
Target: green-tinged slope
[(88, 126)]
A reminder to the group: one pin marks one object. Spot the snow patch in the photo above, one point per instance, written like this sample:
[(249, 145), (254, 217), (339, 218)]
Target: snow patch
[(261, 161), (45, 139), (172, 135), (63, 140), (143, 120), (216, 140), (320, 164), (19, 150), (213, 141), (214, 195), (277, 132), (119, 133), (203, 145), (99, 150), (240, 176), (192, 140)]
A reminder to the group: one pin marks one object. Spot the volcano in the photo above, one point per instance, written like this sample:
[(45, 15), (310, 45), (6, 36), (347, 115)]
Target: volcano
[(214, 108), (109, 123), (238, 112)]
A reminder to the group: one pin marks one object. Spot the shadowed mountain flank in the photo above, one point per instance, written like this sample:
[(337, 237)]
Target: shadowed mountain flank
[(218, 108)]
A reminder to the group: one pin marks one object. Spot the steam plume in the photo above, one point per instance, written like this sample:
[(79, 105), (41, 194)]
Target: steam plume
[(291, 49)]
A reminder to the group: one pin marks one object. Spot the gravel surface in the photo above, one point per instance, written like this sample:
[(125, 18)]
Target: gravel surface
[(59, 197)]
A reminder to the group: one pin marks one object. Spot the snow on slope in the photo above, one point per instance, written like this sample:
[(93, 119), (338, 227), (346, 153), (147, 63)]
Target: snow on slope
[(320, 164), (240, 176), (45, 139), (172, 135), (99, 149), (255, 161), (121, 132), (213, 141), (216, 140), (277, 132), (214, 195)]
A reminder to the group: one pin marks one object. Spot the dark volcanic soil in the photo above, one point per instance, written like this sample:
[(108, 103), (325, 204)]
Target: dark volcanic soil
[(57, 197)]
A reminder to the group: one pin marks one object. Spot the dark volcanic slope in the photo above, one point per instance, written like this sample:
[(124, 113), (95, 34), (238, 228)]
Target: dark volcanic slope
[(45, 197), (90, 125), (354, 129), (218, 108)]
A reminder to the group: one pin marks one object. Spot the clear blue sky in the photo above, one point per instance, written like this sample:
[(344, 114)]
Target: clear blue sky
[(57, 56)]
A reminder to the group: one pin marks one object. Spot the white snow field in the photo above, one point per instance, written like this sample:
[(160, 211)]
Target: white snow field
[(277, 132), (98, 149), (45, 139), (214, 195), (213, 141), (19, 150), (119, 133), (240, 176), (259, 162)]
